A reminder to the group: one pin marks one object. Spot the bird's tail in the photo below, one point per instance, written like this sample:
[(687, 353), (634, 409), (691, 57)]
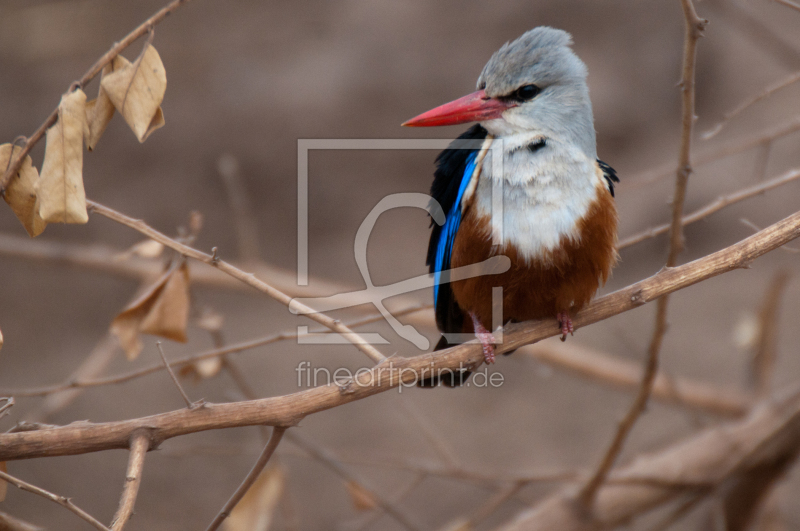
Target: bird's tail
[(448, 377)]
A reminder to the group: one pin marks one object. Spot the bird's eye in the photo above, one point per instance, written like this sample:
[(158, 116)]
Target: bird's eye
[(527, 92)]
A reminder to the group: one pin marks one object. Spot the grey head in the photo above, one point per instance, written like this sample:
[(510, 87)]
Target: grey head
[(557, 105)]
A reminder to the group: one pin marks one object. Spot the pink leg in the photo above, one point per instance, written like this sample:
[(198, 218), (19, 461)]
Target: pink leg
[(565, 322), (485, 337)]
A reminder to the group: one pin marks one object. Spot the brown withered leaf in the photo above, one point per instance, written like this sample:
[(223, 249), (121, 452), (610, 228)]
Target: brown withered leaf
[(137, 90), (3, 483), (100, 110), (161, 309), (169, 314), (256, 510), (361, 498), (60, 186), (21, 191)]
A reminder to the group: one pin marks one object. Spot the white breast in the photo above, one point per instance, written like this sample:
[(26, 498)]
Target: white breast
[(545, 193)]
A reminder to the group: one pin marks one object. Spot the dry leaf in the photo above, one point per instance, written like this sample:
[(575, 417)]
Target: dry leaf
[(99, 111), (21, 191), (256, 510), (3, 483), (161, 309), (145, 249), (60, 187), (169, 314), (137, 90), (361, 498)]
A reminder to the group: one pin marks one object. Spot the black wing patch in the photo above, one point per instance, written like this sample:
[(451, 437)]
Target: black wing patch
[(450, 167), (609, 174)]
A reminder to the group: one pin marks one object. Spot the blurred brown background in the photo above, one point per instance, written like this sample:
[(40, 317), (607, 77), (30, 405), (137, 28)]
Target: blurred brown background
[(249, 78)]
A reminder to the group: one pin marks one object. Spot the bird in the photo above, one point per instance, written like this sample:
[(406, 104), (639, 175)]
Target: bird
[(558, 224)]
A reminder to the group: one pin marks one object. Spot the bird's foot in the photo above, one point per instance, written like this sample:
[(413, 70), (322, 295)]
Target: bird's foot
[(565, 322), (486, 338)]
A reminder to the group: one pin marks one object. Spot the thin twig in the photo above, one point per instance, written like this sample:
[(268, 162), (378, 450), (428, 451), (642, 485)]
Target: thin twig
[(95, 69), (733, 147), (789, 3), (614, 370), (714, 206), (491, 505), (750, 24), (247, 278), (763, 361), (87, 437), (721, 456), (768, 91), (215, 353), (269, 449), (189, 403), (241, 209), (61, 500), (398, 497), (140, 444), (7, 403), (694, 30), (439, 444), (325, 456)]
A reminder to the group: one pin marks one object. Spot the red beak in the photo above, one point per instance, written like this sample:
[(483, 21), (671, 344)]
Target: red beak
[(475, 107)]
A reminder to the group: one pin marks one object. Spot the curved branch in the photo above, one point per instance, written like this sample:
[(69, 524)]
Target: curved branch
[(269, 449), (238, 274), (714, 206), (85, 437), (61, 500)]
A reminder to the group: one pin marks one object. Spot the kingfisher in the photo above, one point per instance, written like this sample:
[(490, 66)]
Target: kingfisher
[(558, 221)]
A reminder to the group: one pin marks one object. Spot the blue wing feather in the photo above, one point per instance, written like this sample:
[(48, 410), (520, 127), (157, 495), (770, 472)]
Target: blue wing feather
[(454, 167), (447, 236)]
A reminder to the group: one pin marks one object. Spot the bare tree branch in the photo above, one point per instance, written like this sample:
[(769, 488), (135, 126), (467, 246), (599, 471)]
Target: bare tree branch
[(732, 147), (61, 500), (189, 403), (180, 362), (768, 91), (614, 370), (86, 437), (140, 444), (714, 206), (763, 362), (710, 460), (247, 278), (269, 449), (694, 30)]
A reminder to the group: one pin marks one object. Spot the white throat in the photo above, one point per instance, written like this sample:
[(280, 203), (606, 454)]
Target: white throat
[(546, 190)]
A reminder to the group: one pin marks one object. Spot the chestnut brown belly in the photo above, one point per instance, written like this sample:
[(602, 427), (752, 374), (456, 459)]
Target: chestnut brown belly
[(562, 280)]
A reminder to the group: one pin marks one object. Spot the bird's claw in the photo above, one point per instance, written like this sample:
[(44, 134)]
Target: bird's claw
[(486, 338), (565, 322)]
